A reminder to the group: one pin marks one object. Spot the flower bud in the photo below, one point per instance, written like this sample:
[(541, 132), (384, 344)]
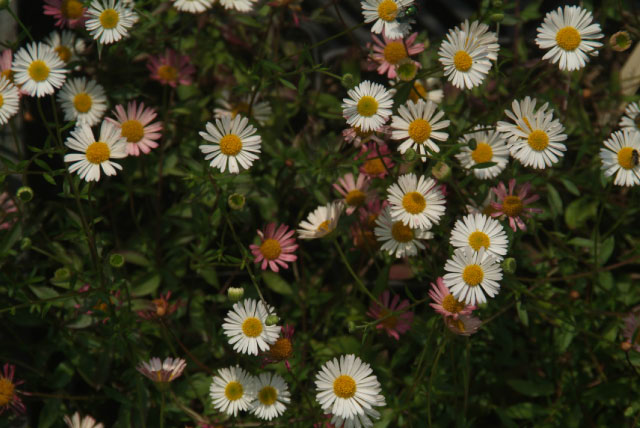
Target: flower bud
[(509, 265), (409, 155), (235, 293), (25, 244), (25, 193), (236, 201), (441, 171), (348, 81), (626, 346), (272, 319), (116, 260), (497, 17), (406, 70), (620, 41), (62, 274), (574, 294), (351, 326)]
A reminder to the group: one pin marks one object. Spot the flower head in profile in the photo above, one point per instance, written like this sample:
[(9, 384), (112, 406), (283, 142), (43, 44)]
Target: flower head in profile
[(377, 160), (9, 395), (466, 60), (631, 329), (110, 20), (281, 349), (239, 5), (490, 146), (621, 156), (230, 107), (192, 6), (232, 390), (427, 90), (7, 208), (540, 141), (472, 274), (38, 69), (162, 371), (160, 308), (137, 127), (322, 221), (76, 421), (83, 101), (66, 45), (354, 135), (277, 247), (393, 324), (631, 118), (355, 191), (67, 13), (171, 68), (388, 53), (464, 325), (514, 205), (419, 126), (246, 329), (522, 110), (417, 202), (368, 106), (9, 100), (272, 396), (235, 143), (445, 304), (387, 17)]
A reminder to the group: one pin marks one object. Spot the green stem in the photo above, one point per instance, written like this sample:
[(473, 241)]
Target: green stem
[(26, 30), (360, 284), (162, 411), (433, 371)]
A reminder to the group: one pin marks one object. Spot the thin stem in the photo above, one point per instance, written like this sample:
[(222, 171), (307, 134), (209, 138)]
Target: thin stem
[(360, 284), (433, 371), (26, 30), (162, 410)]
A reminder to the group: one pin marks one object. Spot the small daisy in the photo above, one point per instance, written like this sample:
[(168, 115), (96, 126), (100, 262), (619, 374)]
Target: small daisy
[(394, 325), (419, 203), (95, 153), (368, 106), (245, 326), (464, 325), (466, 62), (239, 5), (514, 206), (38, 69), (490, 147), (620, 155), (347, 386), (70, 13), (135, 125), (631, 329), (322, 221), (479, 32), (66, 45), (389, 53), (162, 371), (357, 137), (522, 110), (418, 127), (397, 238), (385, 13), (110, 20), (277, 247), (9, 398), (570, 36), (355, 192), (377, 160), (272, 395), (232, 390), (76, 421), (480, 231), (260, 110), (539, 144), (358, 421), (192, 6), (82, 101), (234, 142), (471, 275), (171, 68), (9, 100), (631, 118), (281, 349), (444, 302), (425, 90)]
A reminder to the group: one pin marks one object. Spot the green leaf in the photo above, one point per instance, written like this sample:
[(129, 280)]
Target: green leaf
[(522, 313), (49, 179), (579, 211), (276, 283), (288, 84), (554, 200), (570, 187), (145, 284), (525, 411), (605, 250), (483, 165), (538, 388), (50, 413)]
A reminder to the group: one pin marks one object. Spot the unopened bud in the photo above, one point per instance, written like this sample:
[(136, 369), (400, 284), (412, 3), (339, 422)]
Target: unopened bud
[(409, 155), (497, 17), (509, 265), (62, 274), (351, 326), (25, 193), (236, 201), (348, 81), (25, 244), (406, 70), (235, 293), (620, 41), (116, 260), (441, 171), (626, 346), (272, 319)]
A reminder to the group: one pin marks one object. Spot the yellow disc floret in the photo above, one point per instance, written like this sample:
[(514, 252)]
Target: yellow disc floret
[(71, 9), (230, 145), (414, 202), (234, 391), (473, 275), (268, 395), (168, 73), (625, 158), (132, 130), (462, 61), (98, 152), (39, 70), (512, 205), (568, 38), (395, 52), (344, 386), (401, 232), (451, 304), (367, 106), (6, 391), (109, 18), (64, 53), (538, 140), (483, 153), (478, 240), (355, 198), (419, 130), (82, 102), (388, 10), (270, 249), (252, 327), (282, 349)]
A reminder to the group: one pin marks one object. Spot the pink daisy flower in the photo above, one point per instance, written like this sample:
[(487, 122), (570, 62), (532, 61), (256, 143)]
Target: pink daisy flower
[(7, 206), (71, 13), (135, 125), (282, 349), (355, 192), (159, 308), (362, 232), (277, 247), (445, 303), (389, 53), (9, 397), (464, 325), (357, 137), (5, 64), (395, 325), (514, 206), (631, 330), (171, 68), (375, 160)]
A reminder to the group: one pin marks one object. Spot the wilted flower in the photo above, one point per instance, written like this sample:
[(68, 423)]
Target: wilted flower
[(9, 397), (162, 371), (395, 325), (514, 206)]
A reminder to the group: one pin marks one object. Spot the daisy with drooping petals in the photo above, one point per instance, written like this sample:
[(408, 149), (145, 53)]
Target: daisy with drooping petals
[(377, 160), (110, 20), (357, 137), (235, 142), (631, 118), (389, 52), (426, 90), (272, 395), (277, 247), (418, 126), (472, 274), (368, 106), (9, 398), (478, 32), (239, 5), (322, 221), (444, 302), (66, 45), (621, 156), (159, 308), (162, 371), (95, 153), (38, 69), (136, 127), (192, 6), (385, 13), (171, 68), (570, 35), (480, 231), (631, 329), (71, 13), (260, 110), (466, 62), (347, 386), (464, 325), (82, 101), (9, 100), (514, 206), (281, 349), (522, 110), (355, 192), (232, 390), (7, 207), (362, 232), (394, 325), (418, 203), (246, 329), (539, 144), (490, 147), (358, 421), (76, 421), (397, 238)]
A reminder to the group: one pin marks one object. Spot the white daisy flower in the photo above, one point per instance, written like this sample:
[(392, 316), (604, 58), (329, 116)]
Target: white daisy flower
[(490, 147), (620, 156), (260, 110), (480, 231), (239, 5), (385, 13), (82, 101), (9, 100), (322, 221), (631, 118), (272, 395), (95, 153), (471, 275), (521, 110), (418, 203), (357, 421), (234, 142), (232, 390), (38, 69), (397, 238), (110, 20), (368, 106), (427, 90), (466, 62), (539, 144), (479, 32), (245, 326), (66, 45), (347, 386), (570, 36), (76, 421), (192, 6), (418, 126)]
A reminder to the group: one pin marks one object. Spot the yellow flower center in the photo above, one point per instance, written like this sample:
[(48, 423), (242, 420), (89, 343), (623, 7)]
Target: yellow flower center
[(268, 395), (6, 391), (374, 166), (395, 52), (390, 322), (324, 226), (252, 327), (473, 275), (1, 100), (625, 158), (270, 249), (132, 130), (241, 107), (568, 38), (64, 53), (355, 198), (478, 240), (362, 134), (414, 203), (387, 10), (462, 61), (344, 386), (234, 391), (230, 145), (538, 140), (282, 349), (71, 9), (512, 205), (109, 18), (168, 73), (7, 74), (161, 306), (451, 304), (38, 70), (82, 102), (98, 152), (367, 106), (483, 153), (418, 92), (401, 233), (458, 324), (419, 130)]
